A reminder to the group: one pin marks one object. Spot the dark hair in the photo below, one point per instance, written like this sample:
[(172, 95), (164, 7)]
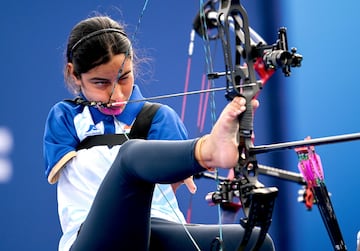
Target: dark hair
[(88, 48)]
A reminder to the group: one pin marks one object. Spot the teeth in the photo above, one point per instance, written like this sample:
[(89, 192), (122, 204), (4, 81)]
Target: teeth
[(118, 103)]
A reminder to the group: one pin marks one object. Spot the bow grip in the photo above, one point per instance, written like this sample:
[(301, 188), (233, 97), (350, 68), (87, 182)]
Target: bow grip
[(246, 118)]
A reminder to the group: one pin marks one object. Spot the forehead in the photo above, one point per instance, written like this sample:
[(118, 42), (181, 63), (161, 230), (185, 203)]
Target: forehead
[(111, 68)]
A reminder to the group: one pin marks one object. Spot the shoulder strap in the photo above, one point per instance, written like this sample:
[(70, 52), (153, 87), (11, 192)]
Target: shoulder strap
[(142, 124), (139, 130)]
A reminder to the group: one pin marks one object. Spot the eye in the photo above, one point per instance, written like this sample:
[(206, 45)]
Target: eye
[(103, 82), (100, 82), (125, 78)]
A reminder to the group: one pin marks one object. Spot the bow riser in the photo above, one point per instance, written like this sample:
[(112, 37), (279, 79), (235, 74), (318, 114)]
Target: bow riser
[(241, 80)]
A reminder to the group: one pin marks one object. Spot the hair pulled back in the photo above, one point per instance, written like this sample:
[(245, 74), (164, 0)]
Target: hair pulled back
[(93, 42)]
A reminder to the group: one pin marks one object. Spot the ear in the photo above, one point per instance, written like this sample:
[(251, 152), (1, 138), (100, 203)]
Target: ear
[(70, 72)]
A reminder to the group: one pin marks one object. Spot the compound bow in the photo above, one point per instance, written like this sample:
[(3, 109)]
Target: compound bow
[(257, 201)]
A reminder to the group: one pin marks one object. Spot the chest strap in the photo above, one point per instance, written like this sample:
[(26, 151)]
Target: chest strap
[(109, 140)]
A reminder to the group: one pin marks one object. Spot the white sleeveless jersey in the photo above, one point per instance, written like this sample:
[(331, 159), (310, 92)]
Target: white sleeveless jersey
[(81, 172)]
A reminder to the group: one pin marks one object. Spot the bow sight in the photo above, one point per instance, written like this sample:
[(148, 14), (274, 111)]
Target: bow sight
[(278, 56), (273, 56)]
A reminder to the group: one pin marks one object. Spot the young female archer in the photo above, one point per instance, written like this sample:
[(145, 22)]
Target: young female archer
[(108, 191)]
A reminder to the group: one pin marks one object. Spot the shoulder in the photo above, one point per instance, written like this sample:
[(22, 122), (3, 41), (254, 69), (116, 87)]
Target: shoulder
[(165, 110), (156, 111), (66, 106), (62, 107), (64, 110), (167, 124), (60, 137), (59, 127)]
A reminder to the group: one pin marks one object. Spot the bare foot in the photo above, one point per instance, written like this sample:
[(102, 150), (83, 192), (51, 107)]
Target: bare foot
[(220, 147)]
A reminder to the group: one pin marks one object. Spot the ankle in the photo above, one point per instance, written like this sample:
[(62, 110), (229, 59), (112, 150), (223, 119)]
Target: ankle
[(200, 153)]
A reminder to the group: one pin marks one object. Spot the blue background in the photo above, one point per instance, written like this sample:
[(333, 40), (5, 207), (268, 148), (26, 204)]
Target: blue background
[(319, 99)]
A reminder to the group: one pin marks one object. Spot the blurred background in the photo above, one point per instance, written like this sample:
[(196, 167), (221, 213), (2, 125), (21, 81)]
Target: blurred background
[(319, 99)]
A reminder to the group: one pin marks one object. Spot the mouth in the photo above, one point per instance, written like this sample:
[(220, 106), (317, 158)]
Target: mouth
[(117, 104), (113, 108)]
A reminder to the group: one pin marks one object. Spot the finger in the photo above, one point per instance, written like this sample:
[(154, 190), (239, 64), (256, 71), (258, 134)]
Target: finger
[(176, 185), (189, 182), (255, 103)]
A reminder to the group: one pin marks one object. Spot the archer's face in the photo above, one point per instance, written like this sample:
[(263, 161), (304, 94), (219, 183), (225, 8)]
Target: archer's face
[(103, 83)]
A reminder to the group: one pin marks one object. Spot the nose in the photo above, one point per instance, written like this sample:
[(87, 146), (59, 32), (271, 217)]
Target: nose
[(117, 93)]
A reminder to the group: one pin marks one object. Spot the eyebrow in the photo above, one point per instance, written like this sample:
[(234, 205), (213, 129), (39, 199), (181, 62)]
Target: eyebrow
[(106, 79), (124, 74)]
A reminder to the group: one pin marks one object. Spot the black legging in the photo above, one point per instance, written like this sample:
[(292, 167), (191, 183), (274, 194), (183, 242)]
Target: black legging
[(119, 219)]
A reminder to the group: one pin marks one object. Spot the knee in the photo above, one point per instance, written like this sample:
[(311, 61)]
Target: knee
[(124, 160), (129, 162), (126, 154)]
